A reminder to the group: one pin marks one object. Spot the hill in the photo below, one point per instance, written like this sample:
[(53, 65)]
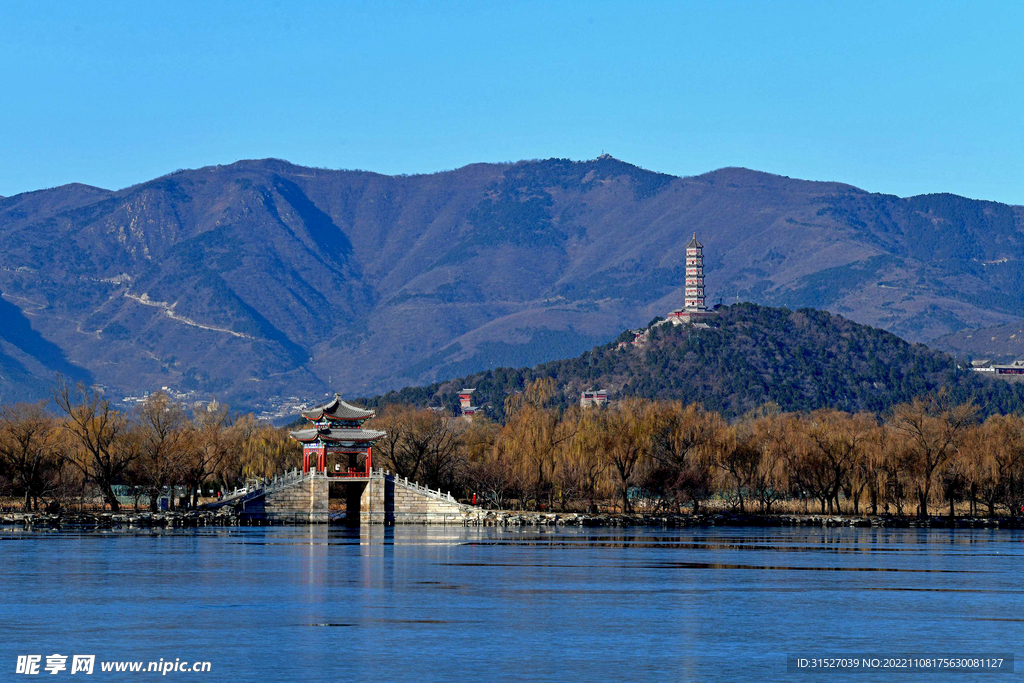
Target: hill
[(801, 360), (262, 278)]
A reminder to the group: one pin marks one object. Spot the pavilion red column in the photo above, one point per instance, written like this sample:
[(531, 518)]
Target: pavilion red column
[(321, 463), (369, 460), (305, 460)]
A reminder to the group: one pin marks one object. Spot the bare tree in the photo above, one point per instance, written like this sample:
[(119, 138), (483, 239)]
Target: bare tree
[(421, 445), (209, 446), (686, 442), (740, 460), (163, 441), (496, 478), (29, 450), (96, 429), (838, 439)]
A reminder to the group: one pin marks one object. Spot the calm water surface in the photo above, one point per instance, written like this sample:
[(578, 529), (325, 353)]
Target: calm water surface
[(432, 604)]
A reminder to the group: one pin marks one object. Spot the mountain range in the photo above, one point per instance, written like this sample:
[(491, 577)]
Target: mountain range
[(262, 278)]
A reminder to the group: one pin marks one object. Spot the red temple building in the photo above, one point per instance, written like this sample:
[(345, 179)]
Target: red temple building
[(592, 398), (337, 434), (466, 403)]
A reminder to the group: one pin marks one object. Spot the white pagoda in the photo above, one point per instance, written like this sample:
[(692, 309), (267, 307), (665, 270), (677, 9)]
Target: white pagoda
[(693, 303)]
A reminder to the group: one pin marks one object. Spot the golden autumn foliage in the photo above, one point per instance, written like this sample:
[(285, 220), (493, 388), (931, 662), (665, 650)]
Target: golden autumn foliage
[(654, 456), (86, 448), (670, 456)]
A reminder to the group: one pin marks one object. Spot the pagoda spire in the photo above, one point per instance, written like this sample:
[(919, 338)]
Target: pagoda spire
[(694, 292)]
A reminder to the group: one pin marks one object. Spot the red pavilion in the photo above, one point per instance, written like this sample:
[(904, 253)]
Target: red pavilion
[(337, 430)]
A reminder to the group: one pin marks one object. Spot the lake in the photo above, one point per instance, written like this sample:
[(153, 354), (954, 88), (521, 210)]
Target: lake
[(464, 604)]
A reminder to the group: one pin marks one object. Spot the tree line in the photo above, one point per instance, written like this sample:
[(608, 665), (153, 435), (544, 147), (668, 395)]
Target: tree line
[(79, 447), (928, 455), (924, 456)]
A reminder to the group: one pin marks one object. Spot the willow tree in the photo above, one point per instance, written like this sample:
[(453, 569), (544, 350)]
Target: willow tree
[(581, 468), (775, 436), (838, 440), (629, 427), (933, 430), (872, 465), (996, 462), (486, 472), (262, 449), (739, 460), (535, 434), (502, 475)]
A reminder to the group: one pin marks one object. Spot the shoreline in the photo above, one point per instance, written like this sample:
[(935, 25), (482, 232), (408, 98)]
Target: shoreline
[(505, 518), (730, 519)]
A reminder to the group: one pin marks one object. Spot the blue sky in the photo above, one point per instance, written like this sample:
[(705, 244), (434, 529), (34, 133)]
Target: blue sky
[(896, 97)]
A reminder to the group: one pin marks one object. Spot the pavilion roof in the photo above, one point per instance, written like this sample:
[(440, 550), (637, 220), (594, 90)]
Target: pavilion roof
[(338, 410), (338, 435), (695, 243)]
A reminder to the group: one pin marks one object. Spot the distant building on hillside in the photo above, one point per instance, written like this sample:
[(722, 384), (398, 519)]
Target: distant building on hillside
[(1014, 370), (466, 403), (693, 308), (640, 338), (593, 398)]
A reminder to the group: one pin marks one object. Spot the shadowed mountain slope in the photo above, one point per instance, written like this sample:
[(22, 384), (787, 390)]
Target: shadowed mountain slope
[(262, 278)]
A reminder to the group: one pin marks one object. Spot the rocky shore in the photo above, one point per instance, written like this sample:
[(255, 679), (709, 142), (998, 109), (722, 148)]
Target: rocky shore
[(506, 518), (118, 520), (226, 517)]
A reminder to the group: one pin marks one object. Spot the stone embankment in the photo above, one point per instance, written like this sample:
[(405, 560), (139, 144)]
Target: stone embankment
[(479, 517), (468, 516), (115, 520)]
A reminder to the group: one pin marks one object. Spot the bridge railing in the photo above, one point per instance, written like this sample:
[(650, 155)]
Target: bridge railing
[(280, 481), (416, 486), (294, 476), (261, 487)]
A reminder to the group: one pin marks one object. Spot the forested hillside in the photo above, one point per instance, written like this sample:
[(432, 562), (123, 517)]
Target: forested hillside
[(752, 355)]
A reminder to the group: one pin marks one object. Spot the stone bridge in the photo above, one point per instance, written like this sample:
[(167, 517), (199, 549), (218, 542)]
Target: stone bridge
[(377, 497)]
